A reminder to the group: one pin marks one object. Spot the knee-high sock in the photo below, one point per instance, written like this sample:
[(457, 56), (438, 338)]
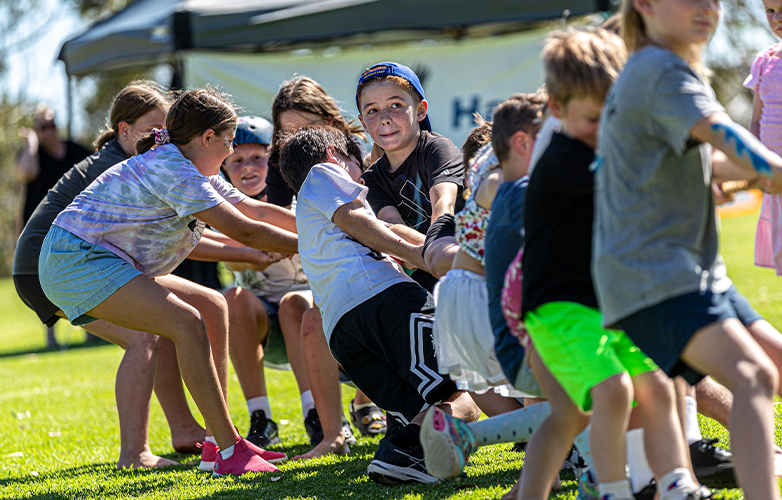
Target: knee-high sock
[(513, 427)]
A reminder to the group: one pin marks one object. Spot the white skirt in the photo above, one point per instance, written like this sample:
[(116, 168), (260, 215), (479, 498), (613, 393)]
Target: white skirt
[(463, 336)]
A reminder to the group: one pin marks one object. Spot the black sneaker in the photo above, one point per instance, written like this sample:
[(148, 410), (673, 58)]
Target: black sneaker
[(647, 492), (313, 427), (713, 466), (263, 431), (394, 465), (347, 431)]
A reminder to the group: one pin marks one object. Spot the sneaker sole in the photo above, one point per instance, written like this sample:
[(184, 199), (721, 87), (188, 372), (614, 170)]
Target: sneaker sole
[(209, 466), (277, 460), (385, 473), (441, 456)]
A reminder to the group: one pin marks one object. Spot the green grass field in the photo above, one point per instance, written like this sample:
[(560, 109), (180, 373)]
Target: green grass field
[(59, 433)]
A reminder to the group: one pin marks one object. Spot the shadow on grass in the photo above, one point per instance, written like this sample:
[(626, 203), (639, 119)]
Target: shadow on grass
[(46, 350)]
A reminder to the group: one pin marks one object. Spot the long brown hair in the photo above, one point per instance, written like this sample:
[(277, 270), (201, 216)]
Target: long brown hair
[(191, 115), (134, 101), (302, 93)]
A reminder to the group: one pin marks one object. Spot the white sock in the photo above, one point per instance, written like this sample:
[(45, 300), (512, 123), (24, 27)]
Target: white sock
[(676, 485), (640, 472), (691, 420), (210, 439), (260, 403), (616, 490), (228, 452), (307, 403)]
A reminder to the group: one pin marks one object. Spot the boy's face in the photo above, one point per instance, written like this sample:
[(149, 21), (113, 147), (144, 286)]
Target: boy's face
[(247, 168), (580, 119), (350, 164), (390, 115)]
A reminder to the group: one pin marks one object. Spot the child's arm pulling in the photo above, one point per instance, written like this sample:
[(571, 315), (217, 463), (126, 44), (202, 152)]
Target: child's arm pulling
[(443, 198), (230, 221), (374, 234), (741, 147), (266, 212)]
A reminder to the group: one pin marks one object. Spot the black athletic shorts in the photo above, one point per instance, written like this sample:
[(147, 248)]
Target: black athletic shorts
[(28, 286), (385, 346)]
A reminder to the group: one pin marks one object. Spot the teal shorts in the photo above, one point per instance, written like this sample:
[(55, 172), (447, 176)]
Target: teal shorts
[(77, 276), (579, 352)]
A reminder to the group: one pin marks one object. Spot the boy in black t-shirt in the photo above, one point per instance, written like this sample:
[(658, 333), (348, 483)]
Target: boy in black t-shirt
[(420, 176)]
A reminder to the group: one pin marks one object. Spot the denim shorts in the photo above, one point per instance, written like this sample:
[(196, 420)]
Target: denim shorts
[(77, 276), (741, 306), (664, 330)]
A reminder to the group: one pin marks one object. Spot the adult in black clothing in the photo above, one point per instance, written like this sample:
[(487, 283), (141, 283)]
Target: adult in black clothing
[(44, 158)]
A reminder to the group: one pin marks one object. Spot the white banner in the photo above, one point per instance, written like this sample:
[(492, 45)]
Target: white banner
[(459, 77)]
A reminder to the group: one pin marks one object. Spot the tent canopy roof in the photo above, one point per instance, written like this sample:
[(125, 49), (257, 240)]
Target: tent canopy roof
[(150, 31)]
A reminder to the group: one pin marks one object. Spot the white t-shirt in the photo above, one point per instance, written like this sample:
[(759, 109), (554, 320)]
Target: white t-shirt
[(342, 272), (141, 209)]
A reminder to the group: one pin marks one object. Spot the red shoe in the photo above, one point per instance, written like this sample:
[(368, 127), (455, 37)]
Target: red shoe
[(242, 461), (273, 457), (208, 455)]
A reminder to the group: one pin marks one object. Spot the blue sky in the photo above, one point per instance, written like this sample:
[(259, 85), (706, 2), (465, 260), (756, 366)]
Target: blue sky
[(34, 73)]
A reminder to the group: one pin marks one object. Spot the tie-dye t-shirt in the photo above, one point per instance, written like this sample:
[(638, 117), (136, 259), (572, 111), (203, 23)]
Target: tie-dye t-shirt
[(141, 209)]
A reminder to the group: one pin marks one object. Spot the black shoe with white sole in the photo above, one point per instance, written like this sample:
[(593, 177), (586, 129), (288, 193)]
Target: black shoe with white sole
[(713, 466), (395, 465), (263, 431)]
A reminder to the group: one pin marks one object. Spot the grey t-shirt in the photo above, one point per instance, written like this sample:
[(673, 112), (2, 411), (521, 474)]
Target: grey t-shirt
[(655, 231)]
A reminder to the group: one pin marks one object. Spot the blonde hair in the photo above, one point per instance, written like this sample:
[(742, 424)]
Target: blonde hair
[(633, 31), (582, 62)]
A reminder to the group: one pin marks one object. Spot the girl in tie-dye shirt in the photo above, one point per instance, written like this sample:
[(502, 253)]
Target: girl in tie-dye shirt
[(139, 220)]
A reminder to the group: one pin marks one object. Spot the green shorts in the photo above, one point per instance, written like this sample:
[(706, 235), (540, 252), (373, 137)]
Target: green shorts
[(579, 352)]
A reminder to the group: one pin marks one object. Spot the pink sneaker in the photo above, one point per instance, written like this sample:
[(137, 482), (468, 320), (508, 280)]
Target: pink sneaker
[(273, 457), (208, 455), (242, 461)]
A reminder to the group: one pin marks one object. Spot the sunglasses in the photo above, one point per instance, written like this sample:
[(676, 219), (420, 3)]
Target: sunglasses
[(46, 126)]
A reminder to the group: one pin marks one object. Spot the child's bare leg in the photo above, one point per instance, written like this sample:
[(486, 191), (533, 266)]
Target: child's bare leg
[(552, 440), (213, 309), (714, 401), (729, 353), (323, 375), (248, 324), (664, 437), (292, 308), (360, 398), (770, 340), (611, 407), (141, 304), (493, 404), (133, 391), (459, 405), (185, 430)]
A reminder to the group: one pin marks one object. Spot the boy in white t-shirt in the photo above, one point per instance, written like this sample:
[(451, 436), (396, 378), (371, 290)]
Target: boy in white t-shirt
[(377, 321)]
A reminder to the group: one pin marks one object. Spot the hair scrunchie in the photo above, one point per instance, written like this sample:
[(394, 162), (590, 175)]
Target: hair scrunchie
[(161, 136)]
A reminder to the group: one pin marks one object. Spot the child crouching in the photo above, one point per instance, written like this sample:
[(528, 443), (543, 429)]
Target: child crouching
[(377, 321)]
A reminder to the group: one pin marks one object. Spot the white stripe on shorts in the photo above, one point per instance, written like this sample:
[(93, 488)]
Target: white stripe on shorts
[(429, 378)]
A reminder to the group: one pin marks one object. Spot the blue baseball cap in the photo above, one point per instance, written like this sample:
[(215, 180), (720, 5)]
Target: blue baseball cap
[(395, 69), (253, 130)]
